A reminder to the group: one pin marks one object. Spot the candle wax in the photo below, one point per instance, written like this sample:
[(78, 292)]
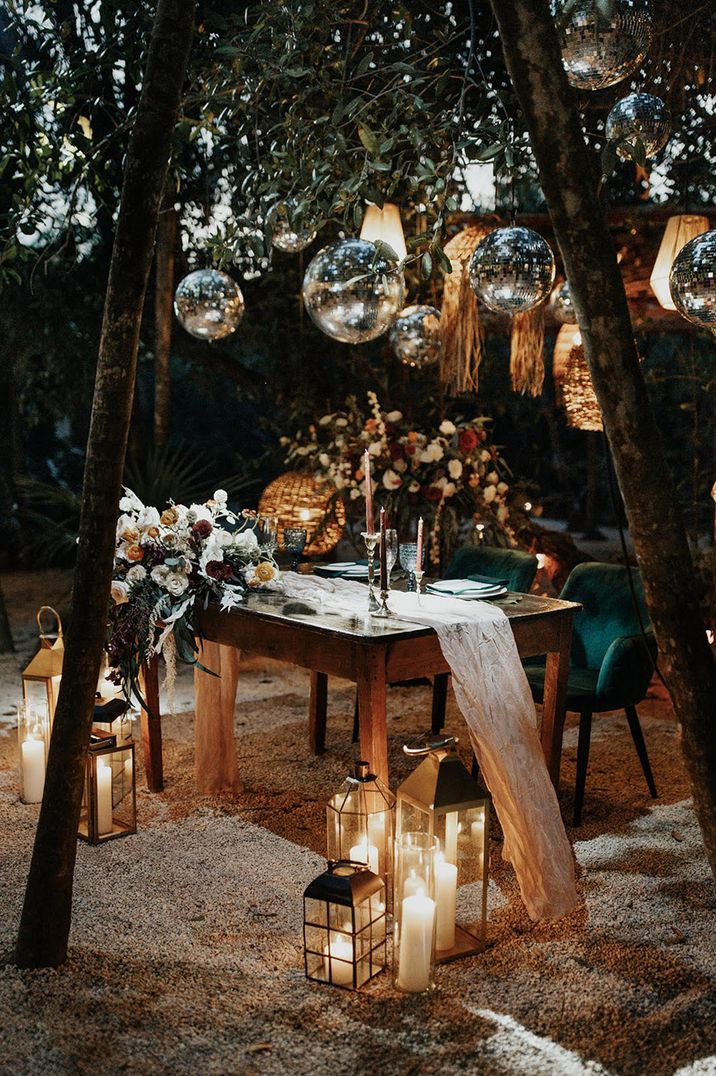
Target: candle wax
[(446, 892), (365, 853), (340, 950), (417, 917), (104, 798), (33, 770), (383, 553), (369, 522)]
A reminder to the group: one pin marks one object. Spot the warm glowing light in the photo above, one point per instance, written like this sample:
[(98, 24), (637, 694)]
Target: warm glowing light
[(528, 506), (541, 560), (568, 337), (305, 515), (679, 230), (385, 224)]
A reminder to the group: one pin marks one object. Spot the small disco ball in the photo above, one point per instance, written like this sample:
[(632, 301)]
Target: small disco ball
[(692, 281), (415, 336), (597, 53), (512, 270), (640, 115), (561, 305), (209, 304), (351, 292), (284, 237)]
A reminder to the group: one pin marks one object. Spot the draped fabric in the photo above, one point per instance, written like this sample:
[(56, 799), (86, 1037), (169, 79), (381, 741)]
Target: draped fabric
[(215, 697), (493, 694)]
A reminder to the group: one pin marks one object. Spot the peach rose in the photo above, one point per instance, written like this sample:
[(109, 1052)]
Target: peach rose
[(265, 571), (134, 552), (169, 517), (130, 534)]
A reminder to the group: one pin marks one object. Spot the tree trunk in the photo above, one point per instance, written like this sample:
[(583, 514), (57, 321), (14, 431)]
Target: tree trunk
[(7, 645), (163, 313), (534, 62), (46, 914)]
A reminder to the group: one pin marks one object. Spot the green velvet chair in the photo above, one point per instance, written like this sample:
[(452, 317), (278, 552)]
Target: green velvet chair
[(513, 567), (611, 662)]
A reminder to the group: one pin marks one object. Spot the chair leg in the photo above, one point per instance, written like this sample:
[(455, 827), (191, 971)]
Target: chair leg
[(356, 723), (638, 737), (440, 686), (585, 735)]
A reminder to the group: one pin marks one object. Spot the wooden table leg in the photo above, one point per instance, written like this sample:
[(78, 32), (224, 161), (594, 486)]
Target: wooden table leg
[(440, 688), (151, 723), (215, 700), (372, 709), (555, 693), (317, 713)]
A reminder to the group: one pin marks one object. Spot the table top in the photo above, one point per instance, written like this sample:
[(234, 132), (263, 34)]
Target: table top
[(275, 606)]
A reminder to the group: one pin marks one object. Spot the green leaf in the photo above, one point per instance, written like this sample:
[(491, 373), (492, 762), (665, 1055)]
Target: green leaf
[(486, 153), (426, 266), (368, 139)]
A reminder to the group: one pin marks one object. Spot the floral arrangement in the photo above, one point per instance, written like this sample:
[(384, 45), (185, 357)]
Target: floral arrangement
[(165, 565), (445, 475)]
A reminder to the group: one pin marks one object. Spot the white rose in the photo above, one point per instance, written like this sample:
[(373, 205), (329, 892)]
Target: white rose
[(449, 489), (339, 482), (489, 494), (375, 448), (246, 540), (135, 574), (485, 455), (391, 480), (341, 422), (454, 468), (176, 583), (120, 591), (355, 494), (502, 513), (502, 487), (493, 478), (435, 451), (221, 496), (201, 512), (130, 502), (159, 574), (447, 427), (124, 523), (148, 517), (324, 459), (394, 416)]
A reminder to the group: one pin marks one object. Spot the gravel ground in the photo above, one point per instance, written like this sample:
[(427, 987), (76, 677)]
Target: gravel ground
[(186, 941)]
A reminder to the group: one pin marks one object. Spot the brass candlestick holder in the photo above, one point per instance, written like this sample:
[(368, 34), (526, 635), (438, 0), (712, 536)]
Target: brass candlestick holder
[(371, 541), (383, 609)]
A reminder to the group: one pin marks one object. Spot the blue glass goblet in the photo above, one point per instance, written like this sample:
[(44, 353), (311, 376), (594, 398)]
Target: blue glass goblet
[(294, 540)]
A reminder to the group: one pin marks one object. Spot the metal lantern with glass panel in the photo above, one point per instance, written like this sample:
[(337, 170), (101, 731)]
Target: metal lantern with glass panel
[(109, 804), (440, 798), (360, 822), (344, 926), (41, 678)]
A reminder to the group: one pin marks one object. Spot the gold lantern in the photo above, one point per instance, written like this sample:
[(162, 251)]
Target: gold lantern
[(578, 395), (109, 805), (344, 926), (386, 226), (360, 821), (299, 501), (440, 799), (679, 230), (41, 678)]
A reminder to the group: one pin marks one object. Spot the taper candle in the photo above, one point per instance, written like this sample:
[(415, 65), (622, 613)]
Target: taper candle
[(369, 521), (419, 550), (383, 553)]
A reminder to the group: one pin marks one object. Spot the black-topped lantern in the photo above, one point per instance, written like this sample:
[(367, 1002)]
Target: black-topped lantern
[(109, 805), (344, 925)]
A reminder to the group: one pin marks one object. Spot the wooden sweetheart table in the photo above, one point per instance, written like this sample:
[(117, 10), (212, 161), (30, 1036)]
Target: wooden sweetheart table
[(370, 651)]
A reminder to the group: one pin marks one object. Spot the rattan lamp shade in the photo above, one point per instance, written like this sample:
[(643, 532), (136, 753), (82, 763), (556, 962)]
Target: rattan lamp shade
[(299, 502), (568, 337), (578, 395)]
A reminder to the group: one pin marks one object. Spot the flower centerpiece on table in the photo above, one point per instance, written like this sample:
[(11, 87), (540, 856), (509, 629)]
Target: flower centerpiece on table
[(446, 475), (165, 565)]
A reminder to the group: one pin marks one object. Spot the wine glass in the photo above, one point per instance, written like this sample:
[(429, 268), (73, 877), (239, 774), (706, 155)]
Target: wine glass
[(294, 539), (268, 533), (409, 561), (391, 550)]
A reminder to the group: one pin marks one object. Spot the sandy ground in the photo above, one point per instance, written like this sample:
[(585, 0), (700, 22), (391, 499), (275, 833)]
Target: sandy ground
[(186, 941)]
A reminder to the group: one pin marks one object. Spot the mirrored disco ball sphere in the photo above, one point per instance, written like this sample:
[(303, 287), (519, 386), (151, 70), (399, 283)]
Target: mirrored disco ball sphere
[(289, 241), (692, 281), (512, 270), (640, 115), (209, 304), (350, 293), (415, 336), (561, 305), (597, 53)]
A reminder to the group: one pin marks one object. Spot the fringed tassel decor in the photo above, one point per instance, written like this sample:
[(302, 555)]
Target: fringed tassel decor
[(527, 352), (462, 334)]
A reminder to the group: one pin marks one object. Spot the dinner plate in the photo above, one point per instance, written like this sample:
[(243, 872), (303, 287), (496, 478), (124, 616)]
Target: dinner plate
[(477, 592)]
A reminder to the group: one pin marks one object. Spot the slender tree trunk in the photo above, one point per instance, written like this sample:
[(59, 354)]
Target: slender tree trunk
[(46, 914), (534, 62), (163, 300), (7, 645)]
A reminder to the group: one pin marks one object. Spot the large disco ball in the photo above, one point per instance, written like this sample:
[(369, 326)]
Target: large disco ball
[(415, 336), (599, 53), (351, 292), (209, 304), (692, 281), (561, 305), (284, 237), (640, 115), (512, 270)]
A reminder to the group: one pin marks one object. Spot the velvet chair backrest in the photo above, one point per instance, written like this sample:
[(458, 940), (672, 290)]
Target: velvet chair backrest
[(517, 568), (607, 609)]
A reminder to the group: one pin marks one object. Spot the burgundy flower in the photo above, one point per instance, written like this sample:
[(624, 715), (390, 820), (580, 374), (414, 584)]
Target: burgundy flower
[(396, 452), (218, 569), (433, 493), (202, 528), (467, 440)]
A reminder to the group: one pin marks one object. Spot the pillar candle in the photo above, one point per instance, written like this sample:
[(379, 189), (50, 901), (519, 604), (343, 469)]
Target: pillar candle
[(417, 917), (419, 550), (340, 949), (33, 770), (369, 522), (383, 553), (450, 849), (104, 798), (376, 832), (446, 893), (365, 853), (413, 885)]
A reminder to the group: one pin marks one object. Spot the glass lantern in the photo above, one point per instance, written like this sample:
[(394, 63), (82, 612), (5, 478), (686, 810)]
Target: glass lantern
[(41, 678), (109, 804), (33, 735), (441, 799), (344, 926), (360, 821), (112, 718), (416, 905)]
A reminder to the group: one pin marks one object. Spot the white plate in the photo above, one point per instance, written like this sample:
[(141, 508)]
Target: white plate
[(470, 595)]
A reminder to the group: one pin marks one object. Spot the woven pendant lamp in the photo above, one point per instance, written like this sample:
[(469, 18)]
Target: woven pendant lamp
[(298, 501), (578, 395)]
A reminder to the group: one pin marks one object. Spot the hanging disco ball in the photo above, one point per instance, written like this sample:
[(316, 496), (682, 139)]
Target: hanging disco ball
[(209, 304), (415, 336), (284, 237), (692, 281), (640, 115), (351, 292), (512, 270), (599, 52), (561, 305)]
